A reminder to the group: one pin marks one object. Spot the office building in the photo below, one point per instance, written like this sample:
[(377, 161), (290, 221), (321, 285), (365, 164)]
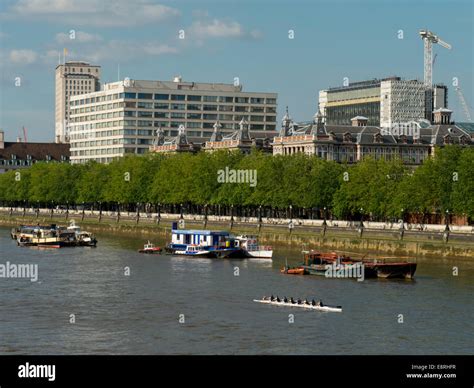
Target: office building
[(124, 116), (72, 79)]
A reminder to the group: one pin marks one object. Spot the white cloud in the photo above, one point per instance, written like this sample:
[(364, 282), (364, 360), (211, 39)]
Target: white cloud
[(77, 36), (23, 56), (123, 50), (205, 28), (100, 13)]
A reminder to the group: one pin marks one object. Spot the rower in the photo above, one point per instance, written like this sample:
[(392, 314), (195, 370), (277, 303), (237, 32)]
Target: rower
[(272, 298), (278, 299), (299, 301), (292, 300), (313, 303), (320, 303), (306, 301), (285, 299)]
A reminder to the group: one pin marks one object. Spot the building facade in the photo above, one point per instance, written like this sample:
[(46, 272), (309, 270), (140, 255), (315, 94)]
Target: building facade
[(351, 143), (72, 79), (384, 102), (124, 116), (17, 155)]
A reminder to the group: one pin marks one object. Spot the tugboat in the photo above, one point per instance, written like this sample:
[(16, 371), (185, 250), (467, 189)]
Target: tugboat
[(150, 248)]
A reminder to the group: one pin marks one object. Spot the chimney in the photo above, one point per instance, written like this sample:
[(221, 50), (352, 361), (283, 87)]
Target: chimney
[(2, 139), (18, 139)]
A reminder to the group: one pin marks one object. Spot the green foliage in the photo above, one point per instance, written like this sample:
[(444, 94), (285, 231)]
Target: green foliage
[(379, 188)]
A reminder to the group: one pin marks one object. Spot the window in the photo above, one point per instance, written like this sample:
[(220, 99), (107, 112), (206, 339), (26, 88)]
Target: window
[(207, 116), (177, 97), (210, 98), (146, 105), (194, 98), (145, 114), (241, 100), (130, 95), (161, 106), (226, 99), (162, 115), (177, 115), (194, 116), (194, 107), (177, 106), (256, 100), (145, 96), (210, 107), (271, 100), (162, 96)]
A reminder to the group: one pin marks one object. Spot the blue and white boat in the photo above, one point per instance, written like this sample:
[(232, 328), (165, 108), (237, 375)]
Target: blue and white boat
[(204, 243)]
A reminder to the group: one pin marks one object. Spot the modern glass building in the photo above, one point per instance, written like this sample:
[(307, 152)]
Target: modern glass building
[(383, 102), (124, 116)]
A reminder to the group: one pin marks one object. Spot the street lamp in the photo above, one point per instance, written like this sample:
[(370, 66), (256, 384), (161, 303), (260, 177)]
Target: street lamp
[(324, 215)]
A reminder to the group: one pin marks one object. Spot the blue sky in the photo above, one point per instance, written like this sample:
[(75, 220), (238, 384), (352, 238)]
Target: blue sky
[(223, 40)]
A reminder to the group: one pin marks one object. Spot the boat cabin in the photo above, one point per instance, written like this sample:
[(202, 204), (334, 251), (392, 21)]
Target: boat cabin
[(199, 237)]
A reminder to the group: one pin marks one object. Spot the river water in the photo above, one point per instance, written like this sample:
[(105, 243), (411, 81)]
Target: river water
[(171, 305)]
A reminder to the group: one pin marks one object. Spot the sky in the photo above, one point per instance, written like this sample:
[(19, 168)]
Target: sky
[(140, 39)]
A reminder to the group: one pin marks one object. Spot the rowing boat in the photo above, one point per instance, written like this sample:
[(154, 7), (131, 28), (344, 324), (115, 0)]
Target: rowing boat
[(334, 309)]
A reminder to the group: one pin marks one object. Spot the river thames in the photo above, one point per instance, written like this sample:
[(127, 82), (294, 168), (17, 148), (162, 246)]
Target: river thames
[(86, 302)]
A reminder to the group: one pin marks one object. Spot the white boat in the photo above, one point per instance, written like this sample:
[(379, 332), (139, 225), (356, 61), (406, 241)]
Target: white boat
[(250, 245), (333, 309)]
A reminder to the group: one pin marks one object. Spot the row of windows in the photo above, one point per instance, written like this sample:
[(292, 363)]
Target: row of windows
[(163, 123), (173, 115), (172, 106), (176, 97)]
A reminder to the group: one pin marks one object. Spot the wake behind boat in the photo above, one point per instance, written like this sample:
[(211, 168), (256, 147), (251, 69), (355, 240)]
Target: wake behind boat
[(305, 305)]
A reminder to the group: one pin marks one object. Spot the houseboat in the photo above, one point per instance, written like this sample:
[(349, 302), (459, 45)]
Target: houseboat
[(204, 243), (318, 263), (57, 236)]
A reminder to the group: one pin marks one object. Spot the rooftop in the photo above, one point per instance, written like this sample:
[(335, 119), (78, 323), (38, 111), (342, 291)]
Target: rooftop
[(36, 151)]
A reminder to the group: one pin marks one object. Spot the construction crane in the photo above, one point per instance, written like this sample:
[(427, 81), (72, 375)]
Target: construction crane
[(428, 39), (464, 105)]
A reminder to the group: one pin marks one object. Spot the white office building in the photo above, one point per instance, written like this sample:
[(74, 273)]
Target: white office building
[(124, 116)]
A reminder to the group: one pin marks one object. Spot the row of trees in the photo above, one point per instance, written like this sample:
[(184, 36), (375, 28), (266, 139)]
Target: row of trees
[(374, 188)]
